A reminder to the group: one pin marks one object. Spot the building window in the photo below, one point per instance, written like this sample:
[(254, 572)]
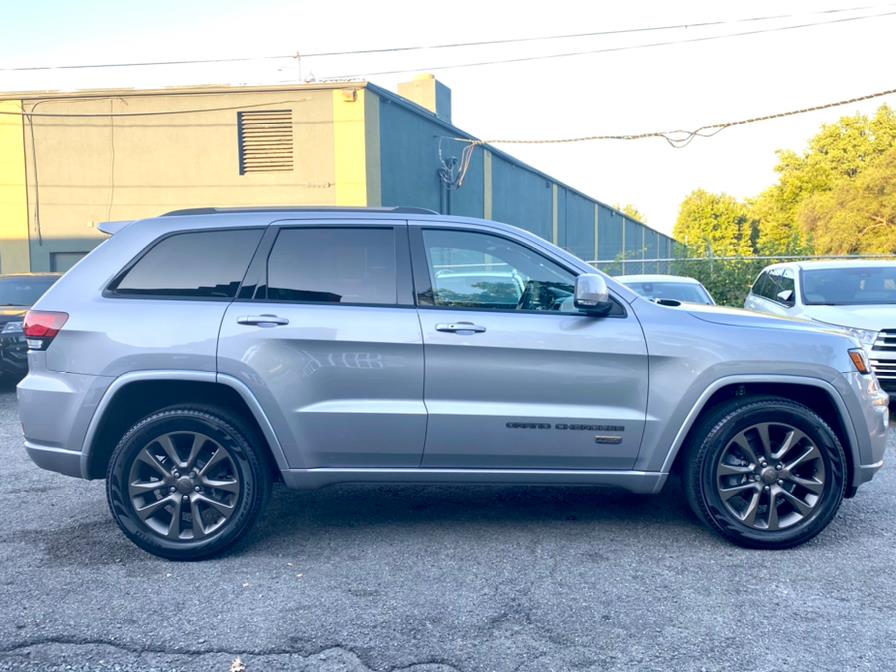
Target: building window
[(60, 262), (265, 141)]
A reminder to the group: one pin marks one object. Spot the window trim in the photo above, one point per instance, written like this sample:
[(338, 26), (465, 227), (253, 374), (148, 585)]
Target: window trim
[(110, 291), (256, 279), (423, 281)]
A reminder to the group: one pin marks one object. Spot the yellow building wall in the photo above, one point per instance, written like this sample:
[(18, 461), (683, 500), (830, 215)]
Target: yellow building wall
[(13, 190), (356, 147), (168, 151)]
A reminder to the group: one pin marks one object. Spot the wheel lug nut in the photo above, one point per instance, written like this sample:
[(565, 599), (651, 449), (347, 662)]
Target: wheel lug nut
[(172, 489), (780, 482), (779, 467), (197, 488), (766, 488)]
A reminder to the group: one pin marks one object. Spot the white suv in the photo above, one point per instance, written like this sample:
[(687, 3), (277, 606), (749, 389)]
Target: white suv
[(859, 296)]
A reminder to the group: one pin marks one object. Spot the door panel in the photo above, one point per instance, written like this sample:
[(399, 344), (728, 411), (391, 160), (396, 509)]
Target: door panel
[(343, 385), (534, 391), (516, 376), (328, 340)]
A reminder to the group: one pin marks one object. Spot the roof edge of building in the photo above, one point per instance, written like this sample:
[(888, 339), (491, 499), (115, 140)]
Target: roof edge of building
[(205, 89)]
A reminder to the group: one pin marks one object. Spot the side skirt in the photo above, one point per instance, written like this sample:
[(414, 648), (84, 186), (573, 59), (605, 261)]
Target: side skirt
[(644, 482)]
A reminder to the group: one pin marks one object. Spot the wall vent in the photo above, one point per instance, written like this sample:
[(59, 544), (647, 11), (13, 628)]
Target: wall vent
[(265, 140)]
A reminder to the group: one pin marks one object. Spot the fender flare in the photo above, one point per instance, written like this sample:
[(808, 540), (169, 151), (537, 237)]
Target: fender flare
[(182, 375), (852, 449)]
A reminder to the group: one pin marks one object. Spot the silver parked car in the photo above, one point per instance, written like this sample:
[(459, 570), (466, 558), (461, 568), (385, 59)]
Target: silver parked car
[(195, 358), (659, 287), (856, 295)]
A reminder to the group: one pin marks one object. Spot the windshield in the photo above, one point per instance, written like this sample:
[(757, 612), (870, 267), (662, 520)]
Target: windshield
[(849, 286), (23, 291), (677, 291)]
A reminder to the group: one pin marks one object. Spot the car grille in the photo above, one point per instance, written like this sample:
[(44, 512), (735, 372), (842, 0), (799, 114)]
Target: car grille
[(884, 367)]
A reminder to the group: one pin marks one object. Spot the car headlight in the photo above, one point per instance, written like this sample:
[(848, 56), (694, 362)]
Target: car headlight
[(14, 327), (866, 337)]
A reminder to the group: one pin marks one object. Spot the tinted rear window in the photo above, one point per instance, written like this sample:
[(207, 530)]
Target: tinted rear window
[(202, 264), (24, 290), (333, 265)]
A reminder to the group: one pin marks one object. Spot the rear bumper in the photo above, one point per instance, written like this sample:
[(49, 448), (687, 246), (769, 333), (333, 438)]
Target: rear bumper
[(63, 461), (55, 409)]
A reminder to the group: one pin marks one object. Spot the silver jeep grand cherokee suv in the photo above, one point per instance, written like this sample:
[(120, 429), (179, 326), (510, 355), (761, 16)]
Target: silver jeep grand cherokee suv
[(195, 358)]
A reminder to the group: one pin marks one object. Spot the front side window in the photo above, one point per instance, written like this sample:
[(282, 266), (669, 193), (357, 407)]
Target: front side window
[(333, 265), (198, 264), (481, 271), (760, 284)]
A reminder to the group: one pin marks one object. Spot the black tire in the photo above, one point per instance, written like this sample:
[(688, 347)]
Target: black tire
[(242, 475), (722, 443)]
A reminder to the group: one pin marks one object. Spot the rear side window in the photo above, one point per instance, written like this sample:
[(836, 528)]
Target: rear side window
[(201, 264), (333, 265)]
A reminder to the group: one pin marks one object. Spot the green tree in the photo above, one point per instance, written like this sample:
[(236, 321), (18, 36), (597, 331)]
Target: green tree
[(858, 215), (714, 223), (839, 152)]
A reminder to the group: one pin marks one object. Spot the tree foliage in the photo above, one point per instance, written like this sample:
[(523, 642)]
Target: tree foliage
[(789, 212), (836, 197), (714, 224)]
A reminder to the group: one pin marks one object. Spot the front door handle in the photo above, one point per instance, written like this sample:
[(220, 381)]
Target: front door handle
[(460, 327), (262, 320)]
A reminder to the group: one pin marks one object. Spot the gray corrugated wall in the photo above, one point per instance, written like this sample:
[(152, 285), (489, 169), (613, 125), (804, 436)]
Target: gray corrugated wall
[(409, 159), (409, 155), (522, 198)]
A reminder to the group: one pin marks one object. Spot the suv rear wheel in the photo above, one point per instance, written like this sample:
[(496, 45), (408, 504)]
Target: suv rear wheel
[(185, 482), (765, 473)]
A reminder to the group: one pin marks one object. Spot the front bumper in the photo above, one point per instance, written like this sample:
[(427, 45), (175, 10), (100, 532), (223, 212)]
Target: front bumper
[(868, 406)]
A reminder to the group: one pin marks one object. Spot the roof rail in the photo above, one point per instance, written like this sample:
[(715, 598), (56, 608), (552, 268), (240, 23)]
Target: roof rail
[(407, 210)]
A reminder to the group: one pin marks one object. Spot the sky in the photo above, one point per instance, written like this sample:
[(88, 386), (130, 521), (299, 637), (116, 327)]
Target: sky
[(629, 91)]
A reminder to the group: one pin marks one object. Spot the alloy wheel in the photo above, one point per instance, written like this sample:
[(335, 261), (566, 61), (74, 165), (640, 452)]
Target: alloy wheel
[(184, 486), (770, 476)]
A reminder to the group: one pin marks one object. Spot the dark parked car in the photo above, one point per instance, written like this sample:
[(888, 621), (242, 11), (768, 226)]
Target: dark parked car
[(18, 292)]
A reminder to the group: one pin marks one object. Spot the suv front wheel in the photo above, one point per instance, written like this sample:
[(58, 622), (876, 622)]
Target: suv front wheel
[(185, 483), (765, 473)]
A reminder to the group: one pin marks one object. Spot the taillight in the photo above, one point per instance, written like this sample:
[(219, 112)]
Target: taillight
[(41, 327)]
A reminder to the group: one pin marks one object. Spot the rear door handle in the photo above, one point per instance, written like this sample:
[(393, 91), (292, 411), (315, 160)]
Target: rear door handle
[(262, 320), (460, 327)]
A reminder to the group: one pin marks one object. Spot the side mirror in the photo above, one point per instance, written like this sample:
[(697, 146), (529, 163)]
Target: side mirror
[(786, 297), (592, 295)]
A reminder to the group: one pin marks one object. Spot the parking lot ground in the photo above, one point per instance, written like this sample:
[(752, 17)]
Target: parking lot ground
[(436, 579)]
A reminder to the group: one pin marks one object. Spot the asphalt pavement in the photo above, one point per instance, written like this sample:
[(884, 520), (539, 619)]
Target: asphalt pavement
[(440, 579)]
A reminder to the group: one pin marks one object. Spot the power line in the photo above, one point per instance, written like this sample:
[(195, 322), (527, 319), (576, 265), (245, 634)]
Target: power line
[(454, 45), (138, 64), (681, 138), (154, 113), (605, 50), (621, 31)]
